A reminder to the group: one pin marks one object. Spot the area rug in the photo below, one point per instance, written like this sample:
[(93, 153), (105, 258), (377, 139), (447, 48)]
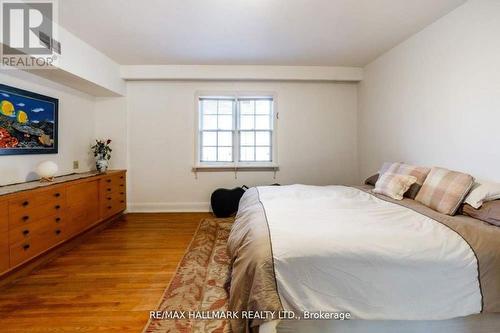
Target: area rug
[(199, 284)]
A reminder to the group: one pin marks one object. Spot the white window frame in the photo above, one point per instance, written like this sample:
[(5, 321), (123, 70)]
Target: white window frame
[(236, 164)]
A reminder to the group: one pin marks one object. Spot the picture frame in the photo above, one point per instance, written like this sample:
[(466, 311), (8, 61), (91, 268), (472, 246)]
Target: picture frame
[(28, 122)]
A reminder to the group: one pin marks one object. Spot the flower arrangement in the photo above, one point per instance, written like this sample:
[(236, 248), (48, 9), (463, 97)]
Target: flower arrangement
[(102, 149), (102, 152)]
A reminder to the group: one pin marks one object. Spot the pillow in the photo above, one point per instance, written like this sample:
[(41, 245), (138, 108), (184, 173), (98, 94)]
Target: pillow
[(444, 190), (405, 169), (481, 192), (489, 212), (394, 185), (371, 180)]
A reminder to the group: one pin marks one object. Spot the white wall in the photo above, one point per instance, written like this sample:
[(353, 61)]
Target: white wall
[(111, 123), (316, 139), (435, 98), (76, 129)]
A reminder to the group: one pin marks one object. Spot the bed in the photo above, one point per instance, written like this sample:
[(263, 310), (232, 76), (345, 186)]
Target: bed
[(391, 265)]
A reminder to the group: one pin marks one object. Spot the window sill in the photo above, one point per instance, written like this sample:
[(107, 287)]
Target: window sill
[(235, 168)]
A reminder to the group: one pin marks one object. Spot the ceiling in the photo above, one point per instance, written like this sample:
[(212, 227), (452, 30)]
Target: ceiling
[(241, 32)]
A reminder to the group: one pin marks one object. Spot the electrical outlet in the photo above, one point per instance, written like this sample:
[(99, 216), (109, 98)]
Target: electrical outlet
[(76, 165)]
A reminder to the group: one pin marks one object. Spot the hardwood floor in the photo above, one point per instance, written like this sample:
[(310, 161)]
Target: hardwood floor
[(107, 284)]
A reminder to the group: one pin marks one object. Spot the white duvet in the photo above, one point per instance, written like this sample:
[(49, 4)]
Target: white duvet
[(338, 248)]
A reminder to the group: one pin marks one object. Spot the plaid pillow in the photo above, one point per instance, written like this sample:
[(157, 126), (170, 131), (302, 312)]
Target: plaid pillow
[(405, 169), (394, 185), (444, 190)]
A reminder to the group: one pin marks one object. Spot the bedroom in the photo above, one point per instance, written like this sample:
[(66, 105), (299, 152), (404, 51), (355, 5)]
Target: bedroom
[(195, 96)]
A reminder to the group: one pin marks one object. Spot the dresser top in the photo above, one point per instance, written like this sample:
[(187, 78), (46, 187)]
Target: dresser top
[(26, 186)]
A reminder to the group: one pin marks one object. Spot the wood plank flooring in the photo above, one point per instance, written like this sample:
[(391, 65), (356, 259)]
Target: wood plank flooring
[(106, 284)]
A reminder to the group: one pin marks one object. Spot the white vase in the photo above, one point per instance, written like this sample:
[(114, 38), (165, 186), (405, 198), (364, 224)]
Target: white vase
[(101, 165)]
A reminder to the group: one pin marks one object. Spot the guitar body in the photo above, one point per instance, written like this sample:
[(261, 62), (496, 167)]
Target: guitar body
[(225, 202)]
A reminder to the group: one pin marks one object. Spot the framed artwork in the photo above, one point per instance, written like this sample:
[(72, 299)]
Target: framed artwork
[(28, 122)]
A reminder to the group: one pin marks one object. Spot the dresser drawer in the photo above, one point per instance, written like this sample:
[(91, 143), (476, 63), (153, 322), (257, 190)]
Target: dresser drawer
[(117, 204), (120, 196), (55, 234), (41, 240), (112, 184), (25, 250), (38, 198), (20, 217), (28, 230)]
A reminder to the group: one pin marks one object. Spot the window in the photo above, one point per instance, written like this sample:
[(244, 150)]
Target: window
[(235, 131)]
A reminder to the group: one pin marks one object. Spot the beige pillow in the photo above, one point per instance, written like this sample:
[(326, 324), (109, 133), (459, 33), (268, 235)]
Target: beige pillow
[(444, 190), (394, 185), (483, 191), (406, 169)]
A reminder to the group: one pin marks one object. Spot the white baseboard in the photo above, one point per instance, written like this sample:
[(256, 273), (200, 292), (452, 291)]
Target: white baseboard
[(168, 207)]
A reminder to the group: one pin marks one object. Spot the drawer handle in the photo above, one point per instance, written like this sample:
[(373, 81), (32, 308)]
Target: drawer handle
[(26, 232), (109, 190), (121, 177), (58, 219), (25, 218), (57, 195), (108, 180), (121, 185), (58, 232), (122, 193), (122, 201), (25, 203), (109, 198), (26, 247), (57, 207), (109, 207)]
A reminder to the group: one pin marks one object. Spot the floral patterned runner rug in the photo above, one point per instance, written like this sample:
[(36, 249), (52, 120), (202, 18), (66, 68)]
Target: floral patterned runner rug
[(198, 285)]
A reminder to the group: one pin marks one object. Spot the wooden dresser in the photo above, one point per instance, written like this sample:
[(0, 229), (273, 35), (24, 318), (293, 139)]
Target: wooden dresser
[(35, 217)]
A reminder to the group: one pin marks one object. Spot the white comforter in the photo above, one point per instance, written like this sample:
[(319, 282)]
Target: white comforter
[(338, 248)]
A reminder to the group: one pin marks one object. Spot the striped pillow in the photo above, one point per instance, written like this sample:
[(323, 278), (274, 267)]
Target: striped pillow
[(444, 190), (394, 185), (405, 169)]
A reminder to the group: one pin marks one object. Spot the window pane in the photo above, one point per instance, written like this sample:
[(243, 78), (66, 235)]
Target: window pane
[(263, 138), (209, 154), (262, 154), (247, 122), (225, 139), (225, 154), (225, 107), (263, 107), (247, 154), (209, 106), (247, 138), (217, 129), (209, 138), (225, 122), (209, 122), (247, 107), (262, 122)]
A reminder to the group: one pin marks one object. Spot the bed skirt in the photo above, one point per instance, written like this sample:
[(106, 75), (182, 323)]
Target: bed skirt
[(482, 323)]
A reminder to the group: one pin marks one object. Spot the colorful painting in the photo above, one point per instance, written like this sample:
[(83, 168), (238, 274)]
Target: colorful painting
[(28, 122)]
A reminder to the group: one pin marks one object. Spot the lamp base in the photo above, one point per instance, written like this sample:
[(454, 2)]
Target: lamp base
[(47, 179)]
